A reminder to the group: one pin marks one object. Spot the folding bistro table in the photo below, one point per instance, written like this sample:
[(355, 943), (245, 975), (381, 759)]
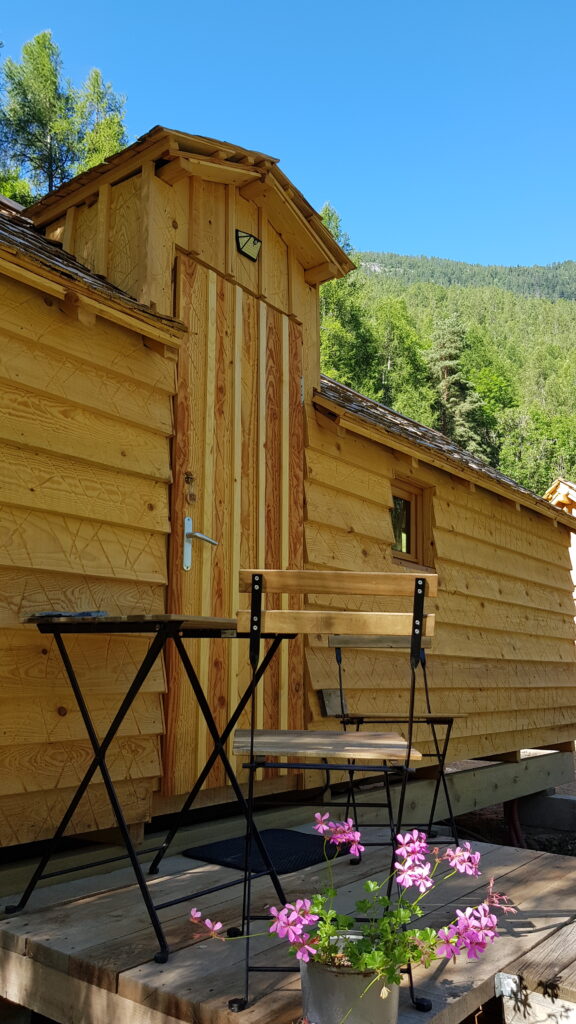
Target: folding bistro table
[(161, 628)]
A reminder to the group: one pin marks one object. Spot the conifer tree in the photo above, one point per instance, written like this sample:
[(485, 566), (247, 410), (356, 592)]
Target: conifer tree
[(49, 130), (461, 414)]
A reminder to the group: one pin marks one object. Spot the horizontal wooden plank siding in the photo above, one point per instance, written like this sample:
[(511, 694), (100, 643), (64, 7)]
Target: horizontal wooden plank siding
[(48, 482), (28, 817), (26, 314), (30, 663), (504, 652), (57, 765), (85, 428)]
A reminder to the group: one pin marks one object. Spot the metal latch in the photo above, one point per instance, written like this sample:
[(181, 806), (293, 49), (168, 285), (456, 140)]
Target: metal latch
[(507, 985), (189, 534)]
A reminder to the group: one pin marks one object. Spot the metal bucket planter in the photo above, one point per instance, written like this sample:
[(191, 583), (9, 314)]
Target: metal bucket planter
[(332, 995)]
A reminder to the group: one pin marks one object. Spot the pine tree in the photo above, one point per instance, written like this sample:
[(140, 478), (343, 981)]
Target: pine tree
[(49, 130), (460, 411)]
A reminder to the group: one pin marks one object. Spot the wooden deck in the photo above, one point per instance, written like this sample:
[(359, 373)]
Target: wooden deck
[(83, 951)]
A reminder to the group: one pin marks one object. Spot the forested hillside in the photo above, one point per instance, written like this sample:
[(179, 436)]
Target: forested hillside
[(492, 365), (557, 281)]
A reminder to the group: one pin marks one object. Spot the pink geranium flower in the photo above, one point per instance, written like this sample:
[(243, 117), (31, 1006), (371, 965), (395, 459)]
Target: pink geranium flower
[(464, 860), (303, 948), (322, 825), (213, 927), (413, 845), (447, 947)]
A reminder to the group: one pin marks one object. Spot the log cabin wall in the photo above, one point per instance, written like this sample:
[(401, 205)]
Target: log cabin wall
[(85, 426), (504, 652), (162, 225)]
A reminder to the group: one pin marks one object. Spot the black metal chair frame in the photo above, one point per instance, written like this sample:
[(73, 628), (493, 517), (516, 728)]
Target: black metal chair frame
[(417, 659)]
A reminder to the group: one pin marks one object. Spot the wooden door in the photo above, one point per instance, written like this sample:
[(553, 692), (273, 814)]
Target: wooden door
[(238, 473)]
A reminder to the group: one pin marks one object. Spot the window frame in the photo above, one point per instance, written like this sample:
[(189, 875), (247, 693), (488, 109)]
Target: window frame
[(422, 544)]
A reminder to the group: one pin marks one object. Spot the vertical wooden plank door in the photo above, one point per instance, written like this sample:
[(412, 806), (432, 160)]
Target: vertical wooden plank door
[(238, 474)]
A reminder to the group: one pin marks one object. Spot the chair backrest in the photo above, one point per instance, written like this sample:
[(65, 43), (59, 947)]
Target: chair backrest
[(338, 584), (340, 625)]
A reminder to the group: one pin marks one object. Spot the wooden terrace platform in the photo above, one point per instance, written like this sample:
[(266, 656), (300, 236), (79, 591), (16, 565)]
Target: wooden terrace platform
[(82, 953)]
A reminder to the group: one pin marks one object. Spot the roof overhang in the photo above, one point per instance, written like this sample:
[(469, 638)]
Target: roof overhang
[(87, 302)]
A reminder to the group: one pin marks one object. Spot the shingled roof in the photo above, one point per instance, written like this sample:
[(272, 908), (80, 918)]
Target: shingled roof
[(435, 447), (22, 242)]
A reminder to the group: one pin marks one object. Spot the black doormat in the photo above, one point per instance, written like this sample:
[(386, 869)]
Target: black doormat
[(289, 851)]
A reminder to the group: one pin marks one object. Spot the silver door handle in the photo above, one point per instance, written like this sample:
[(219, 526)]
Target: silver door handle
[(189, 534)]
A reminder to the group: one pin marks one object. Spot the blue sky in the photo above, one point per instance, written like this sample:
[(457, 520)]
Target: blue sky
[(444, 129)]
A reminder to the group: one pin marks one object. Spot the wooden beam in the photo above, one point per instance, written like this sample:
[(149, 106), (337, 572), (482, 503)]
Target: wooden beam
[(102, 230), (167, 336), (134, 320), (257, 191), (230, 229), (35, 278), (261, 465), (222, 171), (284, 506), (322, 272), (69, 226), (115, 172), (145, 255)]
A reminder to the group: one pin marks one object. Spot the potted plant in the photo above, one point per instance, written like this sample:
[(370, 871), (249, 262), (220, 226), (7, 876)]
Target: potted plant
[(351, 965)]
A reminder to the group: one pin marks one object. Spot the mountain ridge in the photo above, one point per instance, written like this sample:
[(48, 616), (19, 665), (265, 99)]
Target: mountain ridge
[(549, 281)]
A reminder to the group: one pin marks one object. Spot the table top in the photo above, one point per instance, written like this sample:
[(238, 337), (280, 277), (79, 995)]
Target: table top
[(181, 625)]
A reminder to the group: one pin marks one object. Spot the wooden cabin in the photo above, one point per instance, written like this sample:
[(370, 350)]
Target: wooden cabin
[(214, 249)]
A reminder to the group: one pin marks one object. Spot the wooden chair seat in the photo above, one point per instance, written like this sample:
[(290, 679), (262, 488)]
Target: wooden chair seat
[(362, 746)]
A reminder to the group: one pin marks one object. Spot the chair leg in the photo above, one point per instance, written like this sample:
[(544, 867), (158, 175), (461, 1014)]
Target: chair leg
[(421, 1003)]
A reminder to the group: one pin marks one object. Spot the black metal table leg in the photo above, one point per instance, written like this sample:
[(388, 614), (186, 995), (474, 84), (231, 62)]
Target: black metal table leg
[(215, 753), (220, 752), (99, 762)]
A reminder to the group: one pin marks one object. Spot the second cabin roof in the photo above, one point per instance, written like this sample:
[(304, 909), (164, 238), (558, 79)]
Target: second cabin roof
[(351, 410)]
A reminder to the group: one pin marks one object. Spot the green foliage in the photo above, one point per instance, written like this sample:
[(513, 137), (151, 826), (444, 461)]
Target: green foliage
[(447, 344), (557, 281), (99, 116), (14, 187), (462, 415), (538, 447), (36, 128), (49, 130), (348, 346), (405, 374), (333, 222), (382, 942)]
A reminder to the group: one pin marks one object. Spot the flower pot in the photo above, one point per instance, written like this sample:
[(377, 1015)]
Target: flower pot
[(332, 995)]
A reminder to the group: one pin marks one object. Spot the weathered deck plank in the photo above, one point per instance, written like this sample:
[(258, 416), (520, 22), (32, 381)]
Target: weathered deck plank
[(85, 955)]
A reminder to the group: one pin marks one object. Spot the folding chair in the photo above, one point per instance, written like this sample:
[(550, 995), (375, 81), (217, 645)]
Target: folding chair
[(358, 751)]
